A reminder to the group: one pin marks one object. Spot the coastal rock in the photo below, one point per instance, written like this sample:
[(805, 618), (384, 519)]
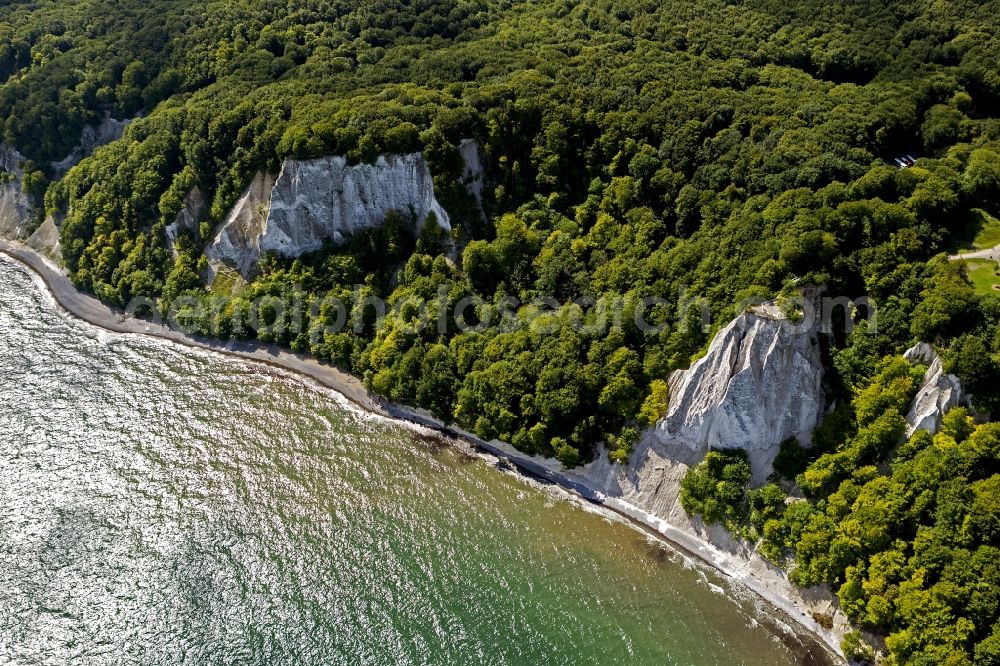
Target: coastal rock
[(315, 202), (15, 206), (759, 384), (189, 216), (939, 393), (326, 200), (92, 138), (921, 353)]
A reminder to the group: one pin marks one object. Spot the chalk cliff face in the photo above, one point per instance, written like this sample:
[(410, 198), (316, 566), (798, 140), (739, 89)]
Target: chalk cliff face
[(46, 239), (315, 202), (939, 393), (92, 138), (237, 243), (189, 216), (759, 384), (15, 207)]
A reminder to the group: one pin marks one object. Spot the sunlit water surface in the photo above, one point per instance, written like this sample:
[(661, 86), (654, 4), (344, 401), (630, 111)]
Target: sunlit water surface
[(159, 505)]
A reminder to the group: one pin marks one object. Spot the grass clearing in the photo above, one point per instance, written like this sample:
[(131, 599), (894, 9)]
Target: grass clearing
[(979, 231), (989, 230), (227, 282), (983, 273)]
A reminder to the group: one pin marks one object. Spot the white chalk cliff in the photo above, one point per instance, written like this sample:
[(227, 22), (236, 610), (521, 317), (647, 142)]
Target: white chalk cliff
[(237, 242), (15, 206), (759, 383), (189, 217), (315, 202), (45, 239), (939, 392)]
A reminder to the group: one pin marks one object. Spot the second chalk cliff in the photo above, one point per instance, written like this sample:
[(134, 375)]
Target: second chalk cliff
[(760, 383)]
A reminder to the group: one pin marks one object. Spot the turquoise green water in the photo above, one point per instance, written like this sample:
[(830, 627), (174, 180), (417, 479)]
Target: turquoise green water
[(164, 506)]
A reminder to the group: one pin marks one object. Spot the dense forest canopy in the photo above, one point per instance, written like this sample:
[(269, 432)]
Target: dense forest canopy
[(634, 148)]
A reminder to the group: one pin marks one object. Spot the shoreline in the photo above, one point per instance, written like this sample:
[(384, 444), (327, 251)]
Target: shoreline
[(87, 308)]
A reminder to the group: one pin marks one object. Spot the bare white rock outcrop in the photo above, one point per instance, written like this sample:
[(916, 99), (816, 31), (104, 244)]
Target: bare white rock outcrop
[(45, 239), (15, 206), (237, 243), (315, 202), (760, 383), (189, 217), (939, 392)]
